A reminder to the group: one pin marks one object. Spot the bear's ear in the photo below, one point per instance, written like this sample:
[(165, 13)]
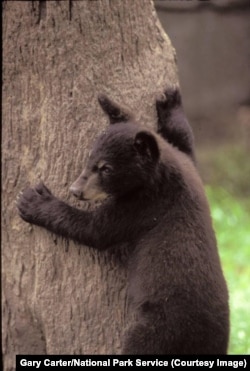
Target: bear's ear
[(146, 144), (115, 113)]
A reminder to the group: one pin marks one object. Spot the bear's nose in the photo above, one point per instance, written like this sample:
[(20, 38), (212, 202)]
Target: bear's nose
[(76, 192)]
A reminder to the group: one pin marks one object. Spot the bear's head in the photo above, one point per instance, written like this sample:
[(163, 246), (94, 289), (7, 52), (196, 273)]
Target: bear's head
[(123, 158)]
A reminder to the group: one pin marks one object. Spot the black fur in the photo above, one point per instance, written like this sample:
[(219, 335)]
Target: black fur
[(115, 112), (173, 124), (155, 202)]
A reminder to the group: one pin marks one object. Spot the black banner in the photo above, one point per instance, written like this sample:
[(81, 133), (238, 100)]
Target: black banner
[(56, 362)]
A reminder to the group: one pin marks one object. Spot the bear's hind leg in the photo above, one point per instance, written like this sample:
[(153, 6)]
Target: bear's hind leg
[(143, 339)]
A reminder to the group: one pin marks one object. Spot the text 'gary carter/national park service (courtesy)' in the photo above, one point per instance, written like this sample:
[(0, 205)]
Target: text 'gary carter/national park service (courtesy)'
[(31, 362)]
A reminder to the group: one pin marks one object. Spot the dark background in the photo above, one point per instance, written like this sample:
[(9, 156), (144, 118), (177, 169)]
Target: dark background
[(211, 39)]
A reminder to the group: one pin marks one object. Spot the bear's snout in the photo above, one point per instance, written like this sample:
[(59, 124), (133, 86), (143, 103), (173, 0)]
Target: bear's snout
[(76, 192)]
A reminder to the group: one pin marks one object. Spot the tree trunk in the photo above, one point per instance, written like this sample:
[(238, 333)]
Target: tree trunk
[(58, 55)]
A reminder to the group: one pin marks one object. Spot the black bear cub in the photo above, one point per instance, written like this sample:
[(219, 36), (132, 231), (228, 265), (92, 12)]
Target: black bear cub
[(153, 200)]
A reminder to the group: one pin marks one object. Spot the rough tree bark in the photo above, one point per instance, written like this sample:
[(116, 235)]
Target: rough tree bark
[(58, 55)]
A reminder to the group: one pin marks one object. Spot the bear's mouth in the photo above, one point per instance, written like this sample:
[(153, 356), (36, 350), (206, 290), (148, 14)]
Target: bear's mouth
[(89, 205)]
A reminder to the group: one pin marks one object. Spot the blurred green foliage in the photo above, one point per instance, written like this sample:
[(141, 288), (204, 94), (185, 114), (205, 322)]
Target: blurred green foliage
[(226, 171), (232, 226), (228, 167)]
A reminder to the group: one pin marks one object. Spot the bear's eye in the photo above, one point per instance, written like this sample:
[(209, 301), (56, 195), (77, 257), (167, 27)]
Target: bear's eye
[(106, 169)]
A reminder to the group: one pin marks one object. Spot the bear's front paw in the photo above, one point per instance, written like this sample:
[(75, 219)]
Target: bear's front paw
[(33, 204), (169, 99)]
